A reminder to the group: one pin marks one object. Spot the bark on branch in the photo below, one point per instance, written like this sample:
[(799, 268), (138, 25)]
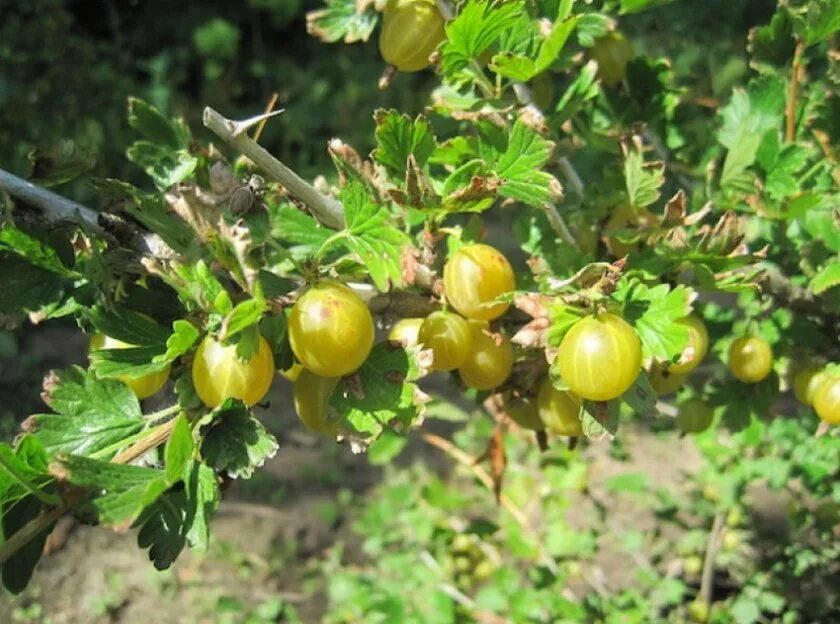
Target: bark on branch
[(326, 209)]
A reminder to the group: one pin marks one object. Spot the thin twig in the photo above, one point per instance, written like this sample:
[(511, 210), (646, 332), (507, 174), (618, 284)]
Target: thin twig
[(56, 209), (709, 560), (790, 109), (327, 210)]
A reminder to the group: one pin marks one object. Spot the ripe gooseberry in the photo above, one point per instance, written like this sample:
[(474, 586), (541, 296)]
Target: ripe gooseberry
[(698, 345), (312, 398), (612, 52), (474, 277), (523, 411), (750, 359), (488, 363), (806, 382), (599, 357), (663, 381), (694, 416), (827, 400), (331, 330), (143, 386), (449, 337), (218, 373), (627, 218), (406, 331), (559, 410), (411, 31)]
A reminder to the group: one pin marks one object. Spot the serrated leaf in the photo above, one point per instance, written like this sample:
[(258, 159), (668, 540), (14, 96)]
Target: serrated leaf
[(27, 288), (343, 20), (120, 492), (474, 30), (520, 168), (128, 326), (164, 166), (653, 312), (380, 392), (244, 314), (554, 43), (822, 20), (643, 183), (150, 122), (372, 237), (828, 277), (398, 137), (562, 318), (92, 414), (746, 118), (236, 442), (183, 337), (22, 469), (180, 517), (37, 252)]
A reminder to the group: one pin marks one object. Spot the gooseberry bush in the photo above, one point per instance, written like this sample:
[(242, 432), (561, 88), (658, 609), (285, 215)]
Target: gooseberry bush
[(565, 231)]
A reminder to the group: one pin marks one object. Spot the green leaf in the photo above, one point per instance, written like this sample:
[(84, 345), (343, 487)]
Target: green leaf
[(91, 414), (641, 397), (631, 482), (745, 611), (599, 420), (292, 225), (183, 337), (202, 489), (634, 6), (746, 118), (149, 121), (22, 469), (478, 26), (128, 326), (372, 237), (822, 20), (828, 277), (245, 314), (37, 252), (384, 449), (562, 318), (27, 288), (165, 167), (152, 211), (643, 183), (380, 392), (179, 449), (120, 492), (180, 517), (653, 312), (520, 168), (163, 529), (236, 442), (584, 88), (553, 45), (514, 66), (17, 570), (773, 43), (398, 137), (60, 162), (342, 20)]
